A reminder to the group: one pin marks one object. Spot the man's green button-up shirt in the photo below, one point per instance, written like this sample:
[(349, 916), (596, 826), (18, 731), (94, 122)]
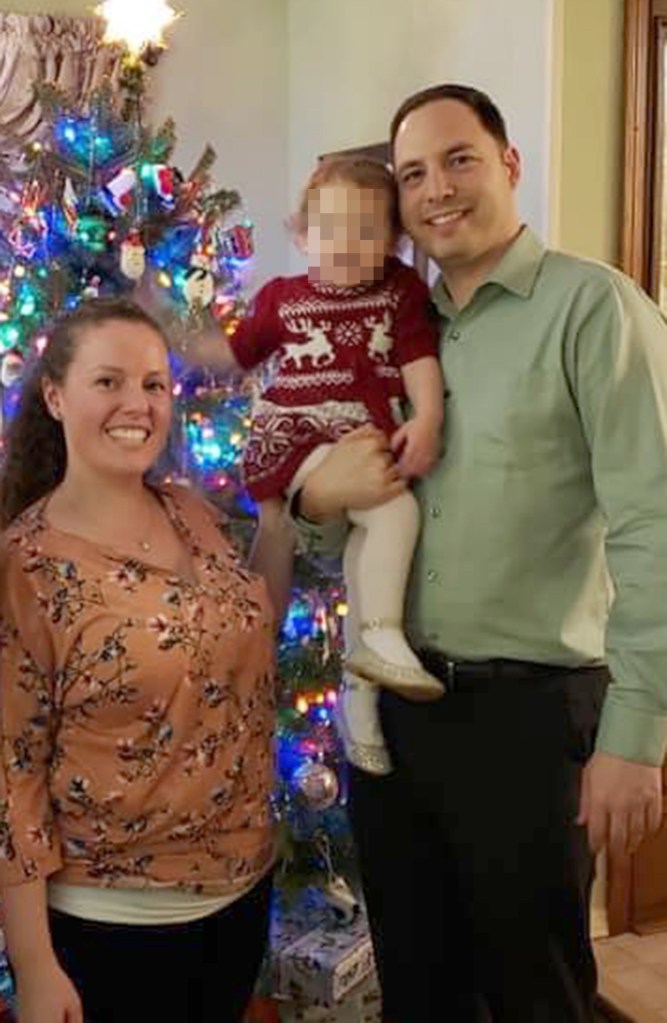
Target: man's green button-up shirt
[(544, 532)]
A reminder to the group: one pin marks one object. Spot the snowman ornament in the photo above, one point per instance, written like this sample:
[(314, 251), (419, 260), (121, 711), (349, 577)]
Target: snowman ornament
[(133, 257), (11, 369), (199, 286)]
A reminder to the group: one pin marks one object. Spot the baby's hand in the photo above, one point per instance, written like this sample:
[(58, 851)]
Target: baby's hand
[(417, 446)]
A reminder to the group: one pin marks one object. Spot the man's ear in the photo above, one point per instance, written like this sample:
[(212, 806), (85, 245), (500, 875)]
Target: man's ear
[(512, 161)]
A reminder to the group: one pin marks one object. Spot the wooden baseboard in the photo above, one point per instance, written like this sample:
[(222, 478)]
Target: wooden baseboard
[(655, 926)]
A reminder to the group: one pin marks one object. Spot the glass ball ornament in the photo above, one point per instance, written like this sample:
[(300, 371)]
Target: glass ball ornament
[(317, 785)]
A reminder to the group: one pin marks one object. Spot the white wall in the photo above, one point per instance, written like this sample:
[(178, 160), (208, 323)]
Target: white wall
[(224, 81), (353, 61)]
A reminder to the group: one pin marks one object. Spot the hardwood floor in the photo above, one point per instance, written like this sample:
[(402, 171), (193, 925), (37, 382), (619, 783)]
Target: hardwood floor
[(633, 977)]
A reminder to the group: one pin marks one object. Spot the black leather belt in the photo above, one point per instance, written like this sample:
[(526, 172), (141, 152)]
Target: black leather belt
[(456, 674)]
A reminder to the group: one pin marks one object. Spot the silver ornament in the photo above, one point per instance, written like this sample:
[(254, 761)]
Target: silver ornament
[(317, 784)]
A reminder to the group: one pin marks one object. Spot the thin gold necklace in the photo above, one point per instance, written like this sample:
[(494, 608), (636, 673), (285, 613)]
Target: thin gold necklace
[(146, 545)]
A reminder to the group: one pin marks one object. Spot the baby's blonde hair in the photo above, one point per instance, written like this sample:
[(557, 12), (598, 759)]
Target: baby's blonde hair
[(354, 170)]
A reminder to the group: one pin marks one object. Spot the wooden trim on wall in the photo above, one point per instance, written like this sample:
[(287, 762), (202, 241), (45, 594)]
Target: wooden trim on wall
[(637, 176), (656, 137)]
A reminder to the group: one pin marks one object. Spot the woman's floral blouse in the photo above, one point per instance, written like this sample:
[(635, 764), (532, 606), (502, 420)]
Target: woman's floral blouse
[(136, 710)]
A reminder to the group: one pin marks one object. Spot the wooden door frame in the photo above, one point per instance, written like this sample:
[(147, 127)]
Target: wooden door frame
[(634, 248), (645, 22)]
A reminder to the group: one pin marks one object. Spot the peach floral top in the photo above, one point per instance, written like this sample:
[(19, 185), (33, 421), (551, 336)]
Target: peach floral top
[(136, 711)]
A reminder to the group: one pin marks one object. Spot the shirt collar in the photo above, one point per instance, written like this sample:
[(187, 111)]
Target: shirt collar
[(515, 271)]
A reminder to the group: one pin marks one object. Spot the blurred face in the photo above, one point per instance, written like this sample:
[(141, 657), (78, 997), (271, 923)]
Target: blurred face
[(115, 401), (349, 234), (456, 184)]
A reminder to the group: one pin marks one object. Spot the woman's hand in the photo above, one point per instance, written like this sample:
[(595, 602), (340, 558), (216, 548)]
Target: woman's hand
[(45, 994), (359, 472)]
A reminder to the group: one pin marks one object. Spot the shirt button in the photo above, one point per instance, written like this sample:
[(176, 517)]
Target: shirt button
[(431, 575), (436, 511), (455, 335)]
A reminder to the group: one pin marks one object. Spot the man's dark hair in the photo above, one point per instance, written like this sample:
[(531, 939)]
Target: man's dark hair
[(482, 105)]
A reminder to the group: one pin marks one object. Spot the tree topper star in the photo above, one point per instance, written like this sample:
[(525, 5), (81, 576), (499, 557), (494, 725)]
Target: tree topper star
[(136, 24)]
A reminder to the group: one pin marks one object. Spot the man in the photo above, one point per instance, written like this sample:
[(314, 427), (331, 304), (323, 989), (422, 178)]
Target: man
[(543, 557)]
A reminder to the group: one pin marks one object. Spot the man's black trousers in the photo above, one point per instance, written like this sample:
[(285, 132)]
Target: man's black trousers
[(476, 876)]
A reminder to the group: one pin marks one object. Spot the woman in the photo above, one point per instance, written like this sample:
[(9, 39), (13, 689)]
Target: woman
[(136, 703)]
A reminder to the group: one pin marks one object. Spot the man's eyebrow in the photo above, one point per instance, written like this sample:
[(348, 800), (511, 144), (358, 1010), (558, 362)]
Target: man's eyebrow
[(453, 150), (458, 147)]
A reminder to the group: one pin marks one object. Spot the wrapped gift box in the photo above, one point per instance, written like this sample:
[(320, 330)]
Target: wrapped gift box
[(361, 1006), (315, 961), (325, 964)]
